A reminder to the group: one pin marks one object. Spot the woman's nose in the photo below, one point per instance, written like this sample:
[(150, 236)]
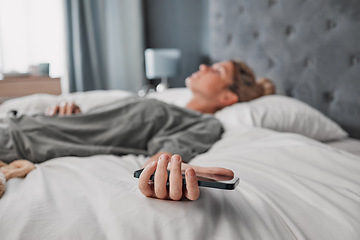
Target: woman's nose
[(203, 67)]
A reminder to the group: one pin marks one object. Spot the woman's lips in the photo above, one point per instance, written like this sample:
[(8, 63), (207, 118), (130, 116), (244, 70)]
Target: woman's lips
[(191, 78), (194, 75)]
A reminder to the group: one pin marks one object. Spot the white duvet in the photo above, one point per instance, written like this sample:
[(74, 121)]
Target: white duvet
[(291, 187)]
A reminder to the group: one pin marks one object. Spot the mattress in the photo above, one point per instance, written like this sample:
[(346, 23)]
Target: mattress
[(292, 187)]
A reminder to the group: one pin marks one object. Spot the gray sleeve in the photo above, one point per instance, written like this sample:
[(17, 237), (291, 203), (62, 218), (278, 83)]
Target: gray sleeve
[(195, 139)]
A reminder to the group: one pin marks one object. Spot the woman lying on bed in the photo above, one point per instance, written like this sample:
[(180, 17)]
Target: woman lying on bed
[(140, 126)]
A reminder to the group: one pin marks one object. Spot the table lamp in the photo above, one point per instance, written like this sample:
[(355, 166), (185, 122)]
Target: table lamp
[(162, 63)]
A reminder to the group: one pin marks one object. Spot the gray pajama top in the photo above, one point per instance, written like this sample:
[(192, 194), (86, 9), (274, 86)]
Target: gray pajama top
[(131, 126)]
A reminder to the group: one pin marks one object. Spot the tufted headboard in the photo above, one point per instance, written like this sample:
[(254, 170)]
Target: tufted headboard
[(310, 49)]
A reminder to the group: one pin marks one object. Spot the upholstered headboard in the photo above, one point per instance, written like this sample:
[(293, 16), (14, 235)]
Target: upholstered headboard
[(310, 49)]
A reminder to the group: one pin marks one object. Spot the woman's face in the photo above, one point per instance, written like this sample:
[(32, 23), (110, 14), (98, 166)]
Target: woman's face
[(211, 81)]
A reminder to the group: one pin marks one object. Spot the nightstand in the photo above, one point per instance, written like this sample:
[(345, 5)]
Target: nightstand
[(11, 87)]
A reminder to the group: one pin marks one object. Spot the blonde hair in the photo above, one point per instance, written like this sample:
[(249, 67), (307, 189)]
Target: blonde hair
[(245, 85)]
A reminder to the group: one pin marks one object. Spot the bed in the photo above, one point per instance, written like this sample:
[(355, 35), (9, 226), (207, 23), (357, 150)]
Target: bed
[(295, 184)]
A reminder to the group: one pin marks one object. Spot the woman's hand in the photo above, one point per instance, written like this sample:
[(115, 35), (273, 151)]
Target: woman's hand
[(63, 109), (175, 190)]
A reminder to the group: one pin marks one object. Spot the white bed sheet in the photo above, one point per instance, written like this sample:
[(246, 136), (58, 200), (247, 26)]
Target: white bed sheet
[(291, 187)]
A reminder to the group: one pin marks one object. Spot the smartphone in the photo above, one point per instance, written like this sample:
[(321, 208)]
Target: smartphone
[(205, 180)]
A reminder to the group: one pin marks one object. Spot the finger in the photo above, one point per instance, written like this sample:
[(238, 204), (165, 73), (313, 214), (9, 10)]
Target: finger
[(209, 170), (176, 181), (192, 191), (161, 177), (70, 108), (54, 110), (144, 179), (62, 108), (77, 110), (49, 110)]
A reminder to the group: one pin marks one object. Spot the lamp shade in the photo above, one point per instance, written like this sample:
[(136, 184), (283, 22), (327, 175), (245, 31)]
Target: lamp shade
[(162, 62)]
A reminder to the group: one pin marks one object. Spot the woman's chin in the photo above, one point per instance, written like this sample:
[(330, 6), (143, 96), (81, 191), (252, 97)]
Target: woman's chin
[(188, 82)]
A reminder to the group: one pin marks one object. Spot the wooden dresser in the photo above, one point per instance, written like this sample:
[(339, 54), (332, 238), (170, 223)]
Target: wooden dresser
[(11, 87)]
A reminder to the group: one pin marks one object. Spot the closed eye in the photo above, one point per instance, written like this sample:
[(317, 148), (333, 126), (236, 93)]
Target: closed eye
[(216, 69), (219, 70)]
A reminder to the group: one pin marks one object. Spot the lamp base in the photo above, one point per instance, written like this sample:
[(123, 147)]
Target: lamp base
[(146, 89), (161, 87)]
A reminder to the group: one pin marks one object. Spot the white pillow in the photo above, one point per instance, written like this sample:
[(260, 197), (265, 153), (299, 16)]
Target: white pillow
[(284, 114)]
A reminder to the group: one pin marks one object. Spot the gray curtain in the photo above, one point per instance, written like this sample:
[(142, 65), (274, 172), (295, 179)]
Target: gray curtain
[(104, 44)]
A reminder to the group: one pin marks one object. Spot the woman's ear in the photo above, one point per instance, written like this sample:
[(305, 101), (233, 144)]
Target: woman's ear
[(228, 98)]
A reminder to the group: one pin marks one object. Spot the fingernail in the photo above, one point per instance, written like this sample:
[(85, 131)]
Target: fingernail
[(162, 157), (190, 173), (153, 163), (176, 158)]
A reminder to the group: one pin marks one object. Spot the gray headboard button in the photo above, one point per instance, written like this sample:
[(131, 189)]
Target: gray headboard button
[(229, 39), (272, 2), (289, 30), (354, 60), (330, 24), (271, 63), (241, 9), (308, 62), (328, 96), (288, 92), (256, 35)]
